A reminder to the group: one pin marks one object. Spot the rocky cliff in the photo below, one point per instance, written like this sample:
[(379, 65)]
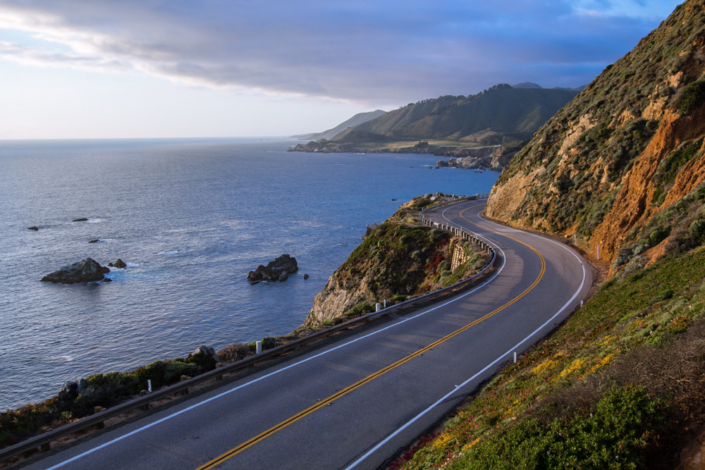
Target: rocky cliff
[(611, 165), (397, 260)]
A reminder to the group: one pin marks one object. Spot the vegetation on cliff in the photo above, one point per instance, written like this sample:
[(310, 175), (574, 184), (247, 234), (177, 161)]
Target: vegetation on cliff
[(623, 151), (619, 385), (79, 399), (397, 260)]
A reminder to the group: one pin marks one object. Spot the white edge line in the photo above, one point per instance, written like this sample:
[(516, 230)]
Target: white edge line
[(166, 418), (457, 387)]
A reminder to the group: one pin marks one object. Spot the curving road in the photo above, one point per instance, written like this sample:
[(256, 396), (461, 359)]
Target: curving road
[(354, 403)]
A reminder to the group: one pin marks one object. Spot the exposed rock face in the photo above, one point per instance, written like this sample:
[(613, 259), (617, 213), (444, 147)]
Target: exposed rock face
[(87, 270), (82, 219), (396, 260), (33, 228), (206, 350), (277, 270), (120, 264), (612, 164)]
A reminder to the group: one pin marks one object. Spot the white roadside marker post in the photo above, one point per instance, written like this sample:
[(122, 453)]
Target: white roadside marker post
[(385, 303), (258, 347), (515, 358), (378, 307), (149, 386)]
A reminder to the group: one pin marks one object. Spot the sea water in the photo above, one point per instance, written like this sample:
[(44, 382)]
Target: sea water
[(190, 218)]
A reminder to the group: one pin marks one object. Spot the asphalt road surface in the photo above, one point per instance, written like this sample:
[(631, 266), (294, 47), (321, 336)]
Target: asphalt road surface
[(356, 402)]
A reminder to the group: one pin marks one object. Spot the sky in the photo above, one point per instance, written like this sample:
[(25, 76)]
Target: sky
[(220, 68)]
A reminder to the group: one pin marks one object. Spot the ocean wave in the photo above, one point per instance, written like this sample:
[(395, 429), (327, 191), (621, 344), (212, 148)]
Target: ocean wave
[(167, 253), (67, 358), (95, 221), (132, 265)]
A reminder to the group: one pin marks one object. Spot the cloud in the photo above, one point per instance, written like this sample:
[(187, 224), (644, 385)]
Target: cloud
[(366, 51)]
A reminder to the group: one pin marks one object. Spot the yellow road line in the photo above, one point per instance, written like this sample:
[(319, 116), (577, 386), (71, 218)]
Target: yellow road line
[(259, 438)]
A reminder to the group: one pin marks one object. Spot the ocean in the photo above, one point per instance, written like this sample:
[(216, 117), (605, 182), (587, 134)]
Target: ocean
[(190, 218)]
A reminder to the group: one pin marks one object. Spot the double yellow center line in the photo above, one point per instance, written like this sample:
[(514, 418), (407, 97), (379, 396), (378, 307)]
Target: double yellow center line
[(273, 430)]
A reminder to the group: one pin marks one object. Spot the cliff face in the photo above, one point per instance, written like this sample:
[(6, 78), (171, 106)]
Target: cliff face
[(610, 163), (398, 259)]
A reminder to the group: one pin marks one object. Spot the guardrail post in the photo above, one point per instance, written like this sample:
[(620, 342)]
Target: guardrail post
[(377, 307), (258, 347), (45, 447)]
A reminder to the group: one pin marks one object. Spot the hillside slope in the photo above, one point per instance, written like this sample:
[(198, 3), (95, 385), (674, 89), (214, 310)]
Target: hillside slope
[(621, 384), (609, 164), (352, 122), (484, 118)]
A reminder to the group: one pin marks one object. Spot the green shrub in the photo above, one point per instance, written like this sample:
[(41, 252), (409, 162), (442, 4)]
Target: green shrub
[(692, 98), (658, 234), (697, 229), (618, 432), (360, 309)]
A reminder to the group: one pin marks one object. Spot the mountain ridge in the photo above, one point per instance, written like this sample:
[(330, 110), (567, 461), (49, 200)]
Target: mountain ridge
[(357, 119)]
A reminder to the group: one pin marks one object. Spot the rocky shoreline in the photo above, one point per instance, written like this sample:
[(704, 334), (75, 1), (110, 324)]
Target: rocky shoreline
[(492, 158), (344, 297)]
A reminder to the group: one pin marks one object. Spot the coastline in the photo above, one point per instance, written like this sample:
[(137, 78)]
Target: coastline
[(97, 392)]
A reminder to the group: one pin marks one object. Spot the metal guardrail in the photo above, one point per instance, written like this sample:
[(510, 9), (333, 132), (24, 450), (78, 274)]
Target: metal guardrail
[(43, 441), (457, 231)]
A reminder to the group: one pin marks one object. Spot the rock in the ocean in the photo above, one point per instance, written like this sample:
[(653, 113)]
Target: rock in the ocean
[(120, 264), (306, 276), (87, 270), (285, 264), (36, 229), (283, 277), (82, 219), (94, 241), (107, 279)]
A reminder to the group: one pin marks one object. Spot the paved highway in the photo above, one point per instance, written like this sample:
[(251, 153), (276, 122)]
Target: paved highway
[(354, 403)]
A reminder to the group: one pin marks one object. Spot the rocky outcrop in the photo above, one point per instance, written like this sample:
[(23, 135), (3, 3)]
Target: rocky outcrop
[(120, 264), (33, 228), (398, 259), (87, 270), (612, 165), (277, 270), (207, 351)]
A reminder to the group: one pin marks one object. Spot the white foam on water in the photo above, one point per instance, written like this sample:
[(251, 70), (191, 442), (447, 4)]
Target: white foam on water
[(67, 358), (167, 253), (132, 265), (95, 221)]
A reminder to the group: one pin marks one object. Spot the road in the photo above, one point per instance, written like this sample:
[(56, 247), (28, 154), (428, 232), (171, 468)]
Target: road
[(354, 403)]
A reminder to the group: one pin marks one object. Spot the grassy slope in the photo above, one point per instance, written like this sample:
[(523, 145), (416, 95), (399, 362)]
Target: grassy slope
[(602, 392), (504, 109)]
